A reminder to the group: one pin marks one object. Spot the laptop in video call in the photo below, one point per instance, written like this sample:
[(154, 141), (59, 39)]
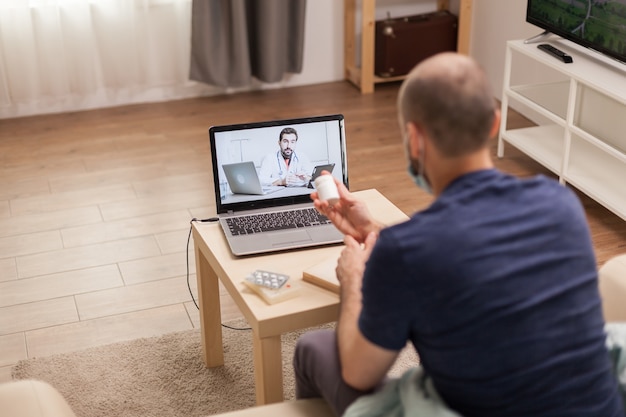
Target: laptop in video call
[(243, 179), (248, 160)]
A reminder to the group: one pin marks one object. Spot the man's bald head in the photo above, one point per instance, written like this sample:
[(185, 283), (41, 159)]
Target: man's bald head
[(449, 97)]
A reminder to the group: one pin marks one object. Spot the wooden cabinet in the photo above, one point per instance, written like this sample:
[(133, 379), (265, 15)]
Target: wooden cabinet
[(363, 77)]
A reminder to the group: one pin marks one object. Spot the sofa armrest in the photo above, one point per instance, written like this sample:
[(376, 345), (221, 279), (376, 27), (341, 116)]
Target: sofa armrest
[(30, 398), (612, 282), (310, 407)]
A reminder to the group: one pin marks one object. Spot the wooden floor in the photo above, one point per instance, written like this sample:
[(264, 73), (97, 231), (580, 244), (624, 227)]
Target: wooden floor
[(95, 209)]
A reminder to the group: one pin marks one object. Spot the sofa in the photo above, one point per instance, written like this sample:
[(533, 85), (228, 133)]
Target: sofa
[(612, 282), (29, 398)]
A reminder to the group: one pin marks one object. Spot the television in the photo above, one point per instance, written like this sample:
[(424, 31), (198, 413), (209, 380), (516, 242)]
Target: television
[(599, 25)]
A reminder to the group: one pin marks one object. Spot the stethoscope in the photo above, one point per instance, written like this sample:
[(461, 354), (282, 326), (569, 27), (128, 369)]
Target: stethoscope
[(280, 167)]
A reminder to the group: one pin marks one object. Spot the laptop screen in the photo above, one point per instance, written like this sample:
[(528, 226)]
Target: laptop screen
[(272, 163)]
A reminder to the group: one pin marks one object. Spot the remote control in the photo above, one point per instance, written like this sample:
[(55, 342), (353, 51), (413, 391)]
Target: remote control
[(555, 52)]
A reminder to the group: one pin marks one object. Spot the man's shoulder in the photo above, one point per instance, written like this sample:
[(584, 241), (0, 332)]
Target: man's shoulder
[(499, 184), (541, 189)]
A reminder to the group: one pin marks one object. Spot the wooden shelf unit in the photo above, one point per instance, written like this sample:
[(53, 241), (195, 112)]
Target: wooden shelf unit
[(582, 107), (363, 77)]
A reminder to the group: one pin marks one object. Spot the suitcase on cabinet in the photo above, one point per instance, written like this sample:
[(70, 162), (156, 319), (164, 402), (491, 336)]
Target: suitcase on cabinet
[(403, 42)]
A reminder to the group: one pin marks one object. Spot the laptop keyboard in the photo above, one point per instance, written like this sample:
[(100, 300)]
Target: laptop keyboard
[(267, 222)]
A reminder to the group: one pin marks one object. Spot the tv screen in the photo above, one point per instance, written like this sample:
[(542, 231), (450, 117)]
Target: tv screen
[(596, 24)]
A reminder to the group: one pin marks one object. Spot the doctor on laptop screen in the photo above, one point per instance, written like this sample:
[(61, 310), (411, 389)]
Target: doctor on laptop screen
[(285, 166)]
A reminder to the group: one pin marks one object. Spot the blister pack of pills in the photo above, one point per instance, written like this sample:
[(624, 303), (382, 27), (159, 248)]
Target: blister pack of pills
[(267, 279)]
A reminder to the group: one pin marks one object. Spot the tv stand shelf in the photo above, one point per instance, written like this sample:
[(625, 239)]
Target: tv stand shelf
[(581, 113)]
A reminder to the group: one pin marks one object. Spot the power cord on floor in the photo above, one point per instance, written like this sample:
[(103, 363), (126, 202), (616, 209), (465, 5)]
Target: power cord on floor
[(210, 219)]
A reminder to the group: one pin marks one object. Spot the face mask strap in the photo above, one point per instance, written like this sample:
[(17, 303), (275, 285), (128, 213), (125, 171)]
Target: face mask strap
[(418, 177)]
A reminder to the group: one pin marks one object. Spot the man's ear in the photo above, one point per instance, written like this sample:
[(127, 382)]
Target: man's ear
[(495, 127), (414, 138)]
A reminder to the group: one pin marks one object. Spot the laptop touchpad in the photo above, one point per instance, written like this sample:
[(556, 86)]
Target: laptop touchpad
[(290, 237)]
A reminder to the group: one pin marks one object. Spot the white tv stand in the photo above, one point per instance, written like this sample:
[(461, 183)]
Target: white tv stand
[(580, 109)]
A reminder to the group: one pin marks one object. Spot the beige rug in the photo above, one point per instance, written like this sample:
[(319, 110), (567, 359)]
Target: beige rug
[(161, 376)]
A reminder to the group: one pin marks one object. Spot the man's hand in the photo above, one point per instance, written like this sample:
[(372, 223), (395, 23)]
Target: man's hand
[(349, 214), (296, 180), (351, 264), (363, 364)]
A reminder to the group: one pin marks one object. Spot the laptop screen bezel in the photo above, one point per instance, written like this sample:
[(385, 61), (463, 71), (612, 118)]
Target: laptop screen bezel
[(271, 202)]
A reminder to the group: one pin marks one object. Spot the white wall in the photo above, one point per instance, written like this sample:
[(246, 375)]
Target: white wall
[(493, 23)]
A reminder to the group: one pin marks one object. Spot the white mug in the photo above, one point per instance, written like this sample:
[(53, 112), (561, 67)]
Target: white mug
[(327, 189)]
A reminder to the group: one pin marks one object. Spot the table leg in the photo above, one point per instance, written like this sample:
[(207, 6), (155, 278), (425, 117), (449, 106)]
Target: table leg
[(210, 314), (268, 369)]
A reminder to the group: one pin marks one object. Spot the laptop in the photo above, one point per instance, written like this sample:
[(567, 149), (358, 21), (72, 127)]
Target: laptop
[(249, 152), (243, 179)]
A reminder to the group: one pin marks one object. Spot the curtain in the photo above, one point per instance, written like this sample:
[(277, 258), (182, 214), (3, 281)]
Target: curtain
[(233, 41), (61, 55)]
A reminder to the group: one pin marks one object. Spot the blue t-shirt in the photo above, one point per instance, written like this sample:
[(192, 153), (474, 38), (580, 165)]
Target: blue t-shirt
[(495, 284)]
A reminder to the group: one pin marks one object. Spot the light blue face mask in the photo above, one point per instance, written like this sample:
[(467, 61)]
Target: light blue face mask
[(418, 177)]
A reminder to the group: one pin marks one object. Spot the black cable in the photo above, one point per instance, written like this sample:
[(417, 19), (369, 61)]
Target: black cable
[(210, 219)]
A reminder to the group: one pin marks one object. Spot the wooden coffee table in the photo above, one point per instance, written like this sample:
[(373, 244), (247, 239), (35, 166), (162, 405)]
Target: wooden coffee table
[(313, 305)]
